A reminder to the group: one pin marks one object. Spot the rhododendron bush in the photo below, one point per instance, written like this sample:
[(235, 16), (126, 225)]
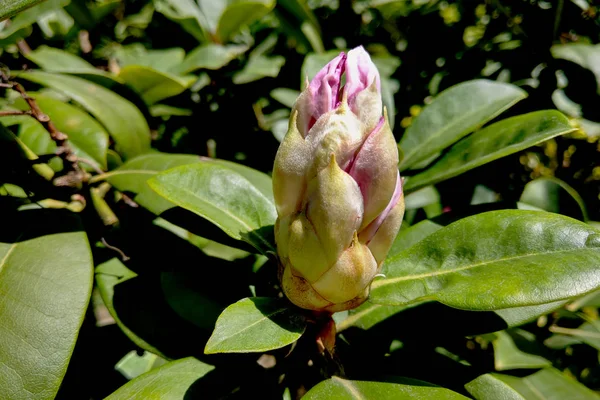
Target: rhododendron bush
[(260, 199)]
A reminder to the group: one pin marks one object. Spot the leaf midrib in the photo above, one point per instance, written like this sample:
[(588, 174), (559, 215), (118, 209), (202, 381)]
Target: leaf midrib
[(264, 317), (250, 229), (424, 143), (386, 282)]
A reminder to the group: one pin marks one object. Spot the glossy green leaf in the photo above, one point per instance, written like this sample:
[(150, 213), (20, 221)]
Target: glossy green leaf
[(122, 119), (516, 261), (209, 56), (256, 324), (87, 137), (552, 194), (156, 59), (285, 96), (187, 14), (132, 176), (153, 85), (343, 389), (508, 356), (222, 196), (495, 141), (27, 16), (259, 67), (585, 55), (241, 13), (45, 286), (10, 8), (547, 384), (57, 60), (456, 112), (108, 275), (133, 365), (367, 315), (172, 381)]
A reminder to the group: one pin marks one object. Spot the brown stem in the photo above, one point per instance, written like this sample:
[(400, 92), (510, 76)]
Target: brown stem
[(5, 113)]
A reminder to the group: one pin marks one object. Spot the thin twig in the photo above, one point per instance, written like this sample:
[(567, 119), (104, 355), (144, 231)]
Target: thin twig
[(124, 257), (5, 113), (77, 175)]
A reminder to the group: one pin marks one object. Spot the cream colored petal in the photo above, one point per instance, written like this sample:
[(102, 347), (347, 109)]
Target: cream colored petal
[(334, 208), (383, 239), (300, 292), (305, 251), (367, 105), (350, 275), (291, 162)]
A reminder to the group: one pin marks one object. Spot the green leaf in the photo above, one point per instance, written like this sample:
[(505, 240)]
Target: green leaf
[(162, 60), (28, 16), (45, 286), (456, 112), (172, 381), (285, 96), (547, 384), (553, 195), (87, 137), (259, 67), (187, 14), (585, 55), (222, 196), (132, 177), (516, 260), (56, 60), (495, 141), (342, 389), (256, 324), (240, 13), (367, 315), (209, 56), (508, 356), (9, 8), (133, 365), (153, 85), (122, 119), (588, 333)]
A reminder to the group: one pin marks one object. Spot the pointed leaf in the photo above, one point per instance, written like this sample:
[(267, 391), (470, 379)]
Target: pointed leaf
[(516, 261), (508, 356), (240, 13), (256, 324), (223, 197), (45, 286), (172, 381), (456, 112), (547, 384), (153, 85), (495, 141), (122, 119), (343, 389)]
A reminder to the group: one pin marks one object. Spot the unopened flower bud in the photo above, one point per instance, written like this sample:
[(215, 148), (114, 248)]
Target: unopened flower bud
[(337, 188)]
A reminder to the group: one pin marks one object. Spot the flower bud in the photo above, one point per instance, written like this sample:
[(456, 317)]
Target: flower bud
[(337, 189)]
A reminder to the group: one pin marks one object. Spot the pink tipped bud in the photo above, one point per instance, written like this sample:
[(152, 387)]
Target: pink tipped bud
[(337, 188)]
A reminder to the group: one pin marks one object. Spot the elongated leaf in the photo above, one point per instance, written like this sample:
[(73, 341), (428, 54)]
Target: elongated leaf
[(122, 119), (256, 324), (153, 85), (456, 112), (45, 286), (495, 141), (10, 8), (547, 384), (53, 59), (132, 176), (87, 137), (209, 56), (342, 389), (172, 381), (240, 13), (367, 315), (223, 197), (160, 60), (516, 261)]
